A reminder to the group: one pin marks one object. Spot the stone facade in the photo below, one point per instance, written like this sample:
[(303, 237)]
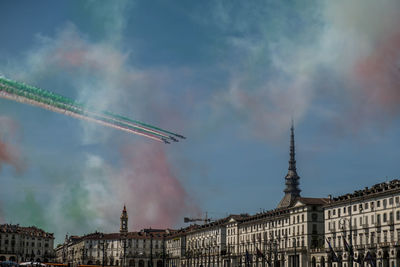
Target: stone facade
[(20, 244), (145, 248), (368, 221)]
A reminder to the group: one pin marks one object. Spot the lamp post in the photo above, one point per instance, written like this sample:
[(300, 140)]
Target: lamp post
[(295, 253), (163, 253), (343, 223), (275, 244), (83, 251), (270, 252), (151, 250), (63, 253), (102, 242), (123, 244)]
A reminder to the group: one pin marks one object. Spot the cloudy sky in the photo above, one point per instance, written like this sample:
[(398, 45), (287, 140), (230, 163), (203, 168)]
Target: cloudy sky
[(229, 75)]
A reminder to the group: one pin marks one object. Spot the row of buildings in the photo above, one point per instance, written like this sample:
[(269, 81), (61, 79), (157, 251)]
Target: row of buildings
[(143, 248), (20, 244), (357, 229)]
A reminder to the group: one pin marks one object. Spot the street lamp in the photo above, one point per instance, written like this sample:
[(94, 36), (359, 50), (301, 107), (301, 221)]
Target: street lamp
[(270, 252), (275, 244), (163, 253), (102, 242), (123, 241), (83, 250), (295, 254), (343, 223)]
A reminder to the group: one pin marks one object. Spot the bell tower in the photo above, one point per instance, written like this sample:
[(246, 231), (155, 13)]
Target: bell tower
[(124, 221)]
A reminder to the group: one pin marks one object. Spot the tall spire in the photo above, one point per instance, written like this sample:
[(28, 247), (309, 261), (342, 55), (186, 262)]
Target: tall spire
[(292, 179), (292, 161)]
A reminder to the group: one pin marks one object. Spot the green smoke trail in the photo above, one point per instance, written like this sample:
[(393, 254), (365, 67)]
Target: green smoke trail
[(51, 99)]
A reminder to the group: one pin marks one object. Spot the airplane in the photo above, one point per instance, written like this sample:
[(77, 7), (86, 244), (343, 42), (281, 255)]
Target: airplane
[(165, 141), (173, 139)]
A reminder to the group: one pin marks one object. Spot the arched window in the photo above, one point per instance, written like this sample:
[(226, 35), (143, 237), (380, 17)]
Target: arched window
[(322, 262)]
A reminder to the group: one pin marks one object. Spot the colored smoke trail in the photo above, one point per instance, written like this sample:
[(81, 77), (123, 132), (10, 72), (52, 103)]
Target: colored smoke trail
[(379, 72), (9, 154), (150, 187), (30, 95)]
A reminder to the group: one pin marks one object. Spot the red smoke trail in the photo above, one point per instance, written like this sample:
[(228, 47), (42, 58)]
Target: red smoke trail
[(9, 154), (150, 188), (379, 74)]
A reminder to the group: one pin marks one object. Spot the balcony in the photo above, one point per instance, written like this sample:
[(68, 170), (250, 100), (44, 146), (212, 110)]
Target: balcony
[(384, 244), (360, 246)]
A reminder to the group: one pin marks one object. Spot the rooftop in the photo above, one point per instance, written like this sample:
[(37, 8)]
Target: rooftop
[(30, 230)]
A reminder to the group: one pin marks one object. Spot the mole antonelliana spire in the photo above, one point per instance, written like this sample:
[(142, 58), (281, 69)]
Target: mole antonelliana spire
[(292, 190)]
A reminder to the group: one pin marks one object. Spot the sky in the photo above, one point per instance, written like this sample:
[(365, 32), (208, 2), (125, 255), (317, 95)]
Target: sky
[(228, 75)]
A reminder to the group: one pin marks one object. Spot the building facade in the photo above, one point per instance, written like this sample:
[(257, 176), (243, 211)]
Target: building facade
[(145, 248), (20, 244), (285, 236), (365, 222)]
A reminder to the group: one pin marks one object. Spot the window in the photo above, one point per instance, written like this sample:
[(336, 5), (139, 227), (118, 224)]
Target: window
[(366, 205), (354, 207), (378, 203), (329, 214), (344, 209), (314, 217), (334, 212), (384, 202), (384, 217), (378, 218), (397, 215), (397, 200), (391, 201), (314, 229)]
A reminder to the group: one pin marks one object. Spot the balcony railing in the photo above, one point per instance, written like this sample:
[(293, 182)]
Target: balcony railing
[(384, 244)]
